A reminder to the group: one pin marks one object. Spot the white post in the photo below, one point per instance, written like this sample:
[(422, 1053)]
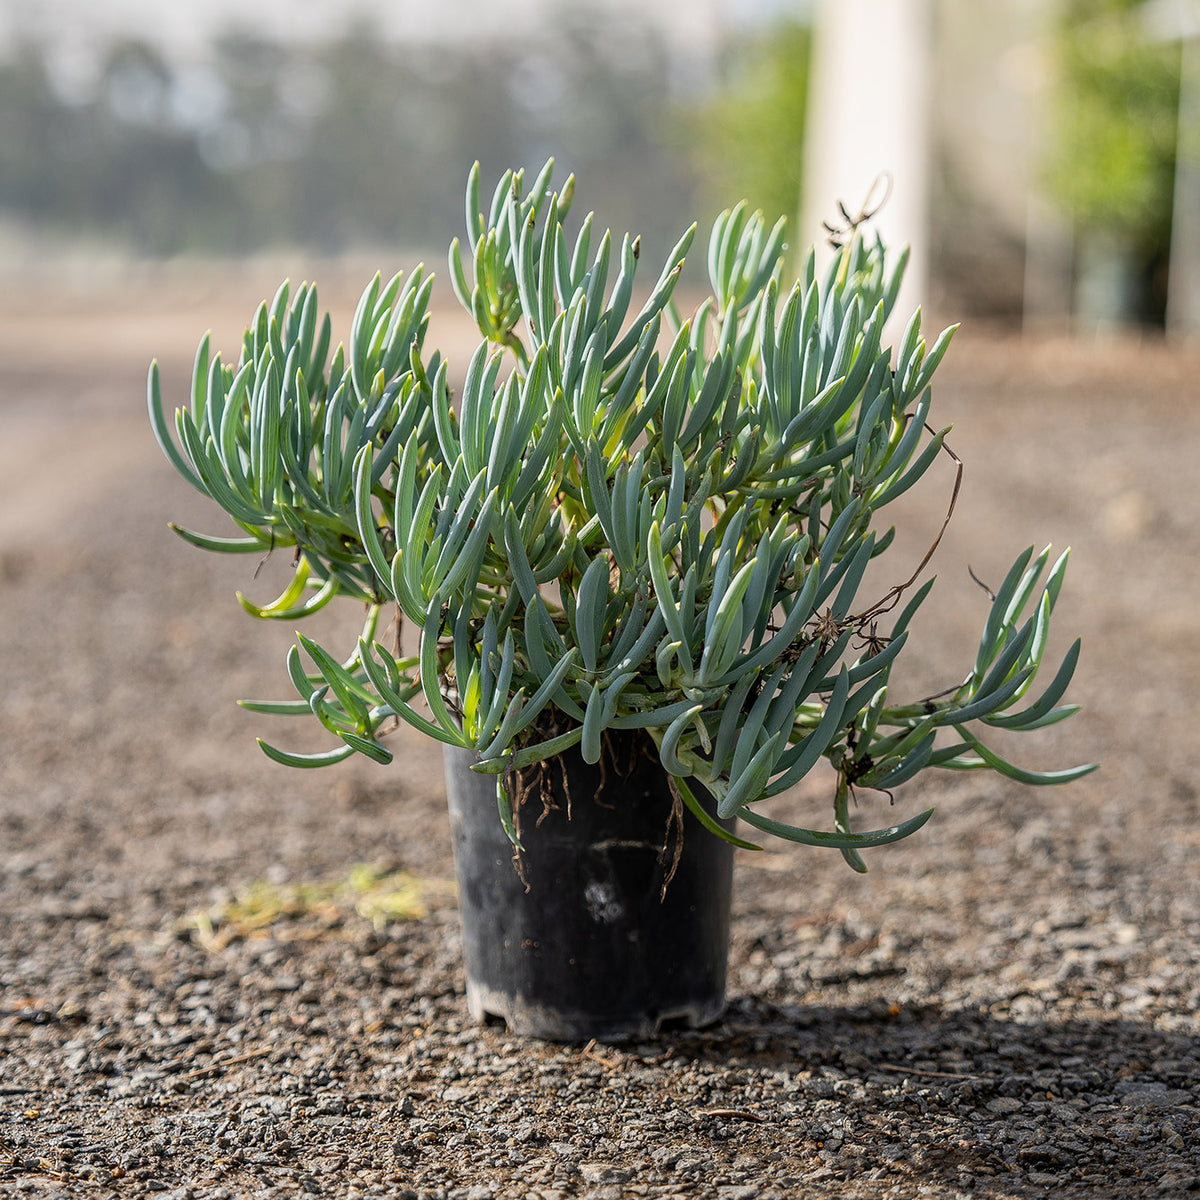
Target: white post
[(869, 114)]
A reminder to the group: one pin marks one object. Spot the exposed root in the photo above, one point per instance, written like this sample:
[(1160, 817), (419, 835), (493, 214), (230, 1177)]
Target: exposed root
[(518, 789), (675, 848), (548, 796), (605, 744)]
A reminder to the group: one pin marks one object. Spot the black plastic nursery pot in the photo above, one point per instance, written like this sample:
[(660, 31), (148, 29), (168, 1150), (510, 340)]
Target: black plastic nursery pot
[(575, 938)]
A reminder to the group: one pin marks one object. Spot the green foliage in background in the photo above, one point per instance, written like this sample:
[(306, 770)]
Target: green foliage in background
[(1112, 165), (624, 520), (748, 135)]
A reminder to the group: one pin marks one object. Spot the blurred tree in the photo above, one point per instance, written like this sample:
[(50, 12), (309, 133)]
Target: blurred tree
[(33, 125), (115, 167), (748, 136), (1113, 158), (398, 132), (134, 170)]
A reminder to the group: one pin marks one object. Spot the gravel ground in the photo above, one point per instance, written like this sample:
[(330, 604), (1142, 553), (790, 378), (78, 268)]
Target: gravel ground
[(219, 978)]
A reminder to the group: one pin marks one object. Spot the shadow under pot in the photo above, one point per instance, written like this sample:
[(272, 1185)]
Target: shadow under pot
[(575, 938)]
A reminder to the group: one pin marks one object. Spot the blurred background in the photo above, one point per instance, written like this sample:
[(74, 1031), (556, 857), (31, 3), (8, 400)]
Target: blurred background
[(1035, 148)]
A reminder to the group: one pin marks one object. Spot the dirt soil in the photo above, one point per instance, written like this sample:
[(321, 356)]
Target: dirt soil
[(222, 978)]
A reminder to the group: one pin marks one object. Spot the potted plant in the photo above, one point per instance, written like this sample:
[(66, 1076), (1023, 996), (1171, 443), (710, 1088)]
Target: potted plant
[(621, 573)]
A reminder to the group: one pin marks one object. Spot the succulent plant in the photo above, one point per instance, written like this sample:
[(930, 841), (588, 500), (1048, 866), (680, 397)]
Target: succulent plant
[(628, 520)]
